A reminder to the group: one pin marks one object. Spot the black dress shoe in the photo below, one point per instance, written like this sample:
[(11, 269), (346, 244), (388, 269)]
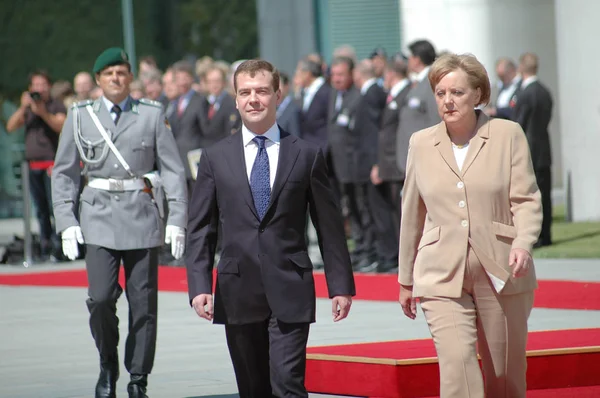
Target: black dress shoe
[(106, 386), (137, 386)]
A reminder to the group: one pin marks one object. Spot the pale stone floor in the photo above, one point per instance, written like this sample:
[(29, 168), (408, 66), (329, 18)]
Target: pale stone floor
[(46, 349)]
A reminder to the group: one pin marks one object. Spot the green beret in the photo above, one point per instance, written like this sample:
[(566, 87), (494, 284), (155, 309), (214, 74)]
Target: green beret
[(109, 57)]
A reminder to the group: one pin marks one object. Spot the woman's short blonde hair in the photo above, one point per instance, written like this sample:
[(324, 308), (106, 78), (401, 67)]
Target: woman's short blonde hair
[(476, 73)]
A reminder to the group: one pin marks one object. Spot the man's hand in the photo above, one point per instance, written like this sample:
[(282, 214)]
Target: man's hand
[(520, 260), (175, 236), (200, 302), (70, 237), (375, 175), (407, 302), (340, 307), (39, 108), (25, 99)]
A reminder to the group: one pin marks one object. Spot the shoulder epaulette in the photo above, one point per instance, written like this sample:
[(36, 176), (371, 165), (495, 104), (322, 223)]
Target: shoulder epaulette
[(81, 104), (150, 102)]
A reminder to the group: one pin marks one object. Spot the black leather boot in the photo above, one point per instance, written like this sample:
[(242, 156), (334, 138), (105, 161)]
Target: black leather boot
[(107, 382), (137, 386)]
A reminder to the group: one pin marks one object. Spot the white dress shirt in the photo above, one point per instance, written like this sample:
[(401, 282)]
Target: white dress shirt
[(506, 95), (271, 144), (310, 92), (109, 106), (396, 88), (528, 81), (367, 85)]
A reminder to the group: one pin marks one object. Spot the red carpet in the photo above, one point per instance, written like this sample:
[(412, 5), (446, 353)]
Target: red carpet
[(398, 369), (551, 294)]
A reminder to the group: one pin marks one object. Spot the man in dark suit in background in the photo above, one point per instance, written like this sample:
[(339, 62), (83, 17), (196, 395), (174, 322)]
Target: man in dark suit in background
[(187, 119), (365, 129), (510, 80), (315, 99), (288, 112), (266, 181), (533, 112), (222, 119), (385, 176), (419, 110)]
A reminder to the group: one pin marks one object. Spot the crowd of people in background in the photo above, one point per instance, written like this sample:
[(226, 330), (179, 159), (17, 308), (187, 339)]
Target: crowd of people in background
[(361, 112)]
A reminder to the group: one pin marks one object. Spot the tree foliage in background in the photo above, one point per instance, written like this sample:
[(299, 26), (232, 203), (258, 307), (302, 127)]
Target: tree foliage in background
[(222, 29), (65, 36)]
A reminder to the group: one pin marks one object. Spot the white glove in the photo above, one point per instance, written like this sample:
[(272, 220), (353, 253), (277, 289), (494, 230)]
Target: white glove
[(176, 237), (70, 237)]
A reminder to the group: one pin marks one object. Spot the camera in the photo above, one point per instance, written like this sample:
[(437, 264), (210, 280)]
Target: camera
[(36, 96)]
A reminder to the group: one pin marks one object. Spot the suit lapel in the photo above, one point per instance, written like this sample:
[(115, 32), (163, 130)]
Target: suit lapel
[(478, 141), (128, 117), (237, 163), (104, 117), (444, 146), (288, 153)]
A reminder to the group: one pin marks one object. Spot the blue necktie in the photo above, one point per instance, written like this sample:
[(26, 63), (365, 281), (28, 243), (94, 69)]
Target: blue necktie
[(260, 181)]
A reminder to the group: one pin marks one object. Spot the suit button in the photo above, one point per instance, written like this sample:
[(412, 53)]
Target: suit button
[(460, 185), (261, 230), (116, 198), (464, 223), (116, 166), (461, 204)]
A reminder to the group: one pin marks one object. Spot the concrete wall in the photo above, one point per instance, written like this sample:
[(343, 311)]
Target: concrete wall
[(577, 31), (286, 31)]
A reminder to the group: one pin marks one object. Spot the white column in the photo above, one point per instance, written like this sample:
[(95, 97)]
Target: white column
[(490, 29), (577, 30)]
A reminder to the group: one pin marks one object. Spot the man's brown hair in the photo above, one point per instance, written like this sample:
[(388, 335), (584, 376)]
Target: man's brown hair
[(252, 66)]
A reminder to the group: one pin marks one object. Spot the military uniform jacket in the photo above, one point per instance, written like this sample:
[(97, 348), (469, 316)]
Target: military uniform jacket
[(120, 220)]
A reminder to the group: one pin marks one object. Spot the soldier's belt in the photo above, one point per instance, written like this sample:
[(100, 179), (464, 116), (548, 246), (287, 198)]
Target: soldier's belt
[(113, 184)]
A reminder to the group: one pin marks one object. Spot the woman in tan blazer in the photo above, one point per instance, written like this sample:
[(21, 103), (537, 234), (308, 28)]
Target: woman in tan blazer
[(471, 214)]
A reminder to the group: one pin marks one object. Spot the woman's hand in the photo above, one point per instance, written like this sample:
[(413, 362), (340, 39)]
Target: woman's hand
[(407, 302), (520, 260)]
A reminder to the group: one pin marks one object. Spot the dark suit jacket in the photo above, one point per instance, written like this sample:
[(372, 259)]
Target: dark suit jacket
[(289, 118), (264, 267), (314, 121), (386, 157), (224, 122), (533, 112), (188, 128), (365, 127), (342, 142)]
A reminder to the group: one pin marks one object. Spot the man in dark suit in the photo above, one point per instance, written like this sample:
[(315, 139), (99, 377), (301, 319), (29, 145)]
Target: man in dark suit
[(510, 81), (255, 187), (188, 118), (315, 99), (288, 112), (533, 112), (342, 104), (419, 110), (365, 129), (222, 118), (385, 176)]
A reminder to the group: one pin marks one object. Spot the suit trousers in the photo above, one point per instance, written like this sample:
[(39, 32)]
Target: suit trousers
[(480, 319), (269, 358), (544, 181), (141, 289), (361, 220), (385, 207)]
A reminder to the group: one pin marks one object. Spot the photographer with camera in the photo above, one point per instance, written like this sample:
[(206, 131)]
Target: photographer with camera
[(43, 118)]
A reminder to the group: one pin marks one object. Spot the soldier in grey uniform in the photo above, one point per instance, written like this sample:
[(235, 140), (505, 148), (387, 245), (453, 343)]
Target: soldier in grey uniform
[(118, 141)]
